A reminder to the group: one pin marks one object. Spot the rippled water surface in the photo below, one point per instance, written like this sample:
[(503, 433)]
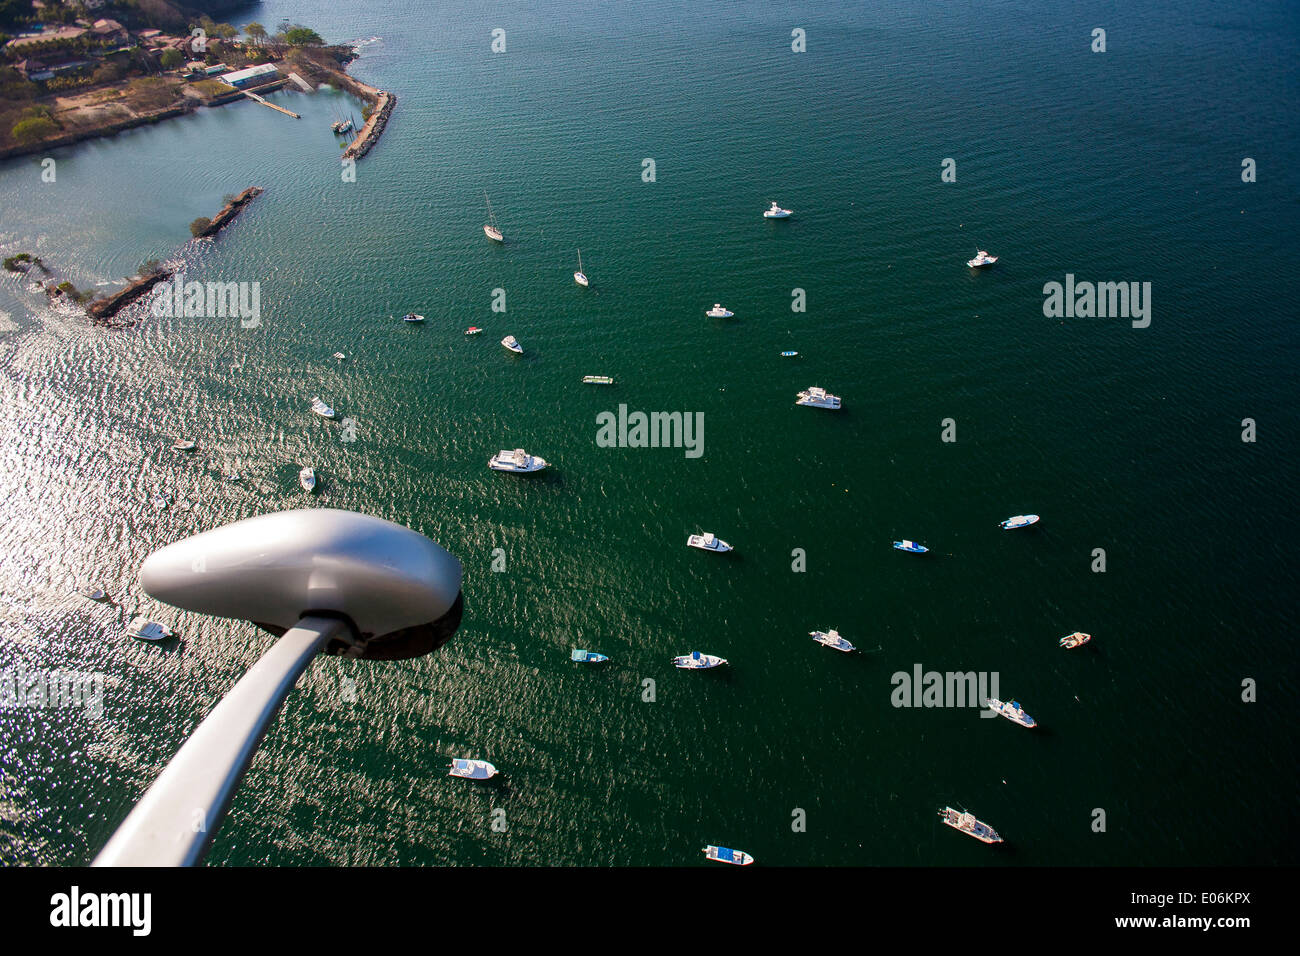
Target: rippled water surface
[(1122, 166)]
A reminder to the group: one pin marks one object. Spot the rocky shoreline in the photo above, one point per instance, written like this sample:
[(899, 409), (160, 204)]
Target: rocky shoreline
[(102, 310)]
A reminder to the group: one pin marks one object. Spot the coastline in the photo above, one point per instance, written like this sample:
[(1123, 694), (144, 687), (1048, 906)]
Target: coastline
[(382, 104)]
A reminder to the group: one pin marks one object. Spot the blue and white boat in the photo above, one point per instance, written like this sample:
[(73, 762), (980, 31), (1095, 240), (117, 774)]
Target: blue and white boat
[(776, 212), (832, 638), (586, 657), (412, 317), (1019, 521), (696, 660), (718, 312), (789, 354), (912, 546), (707, 541), (320, 408), (722, 854), (472, 769), (1012, 711)]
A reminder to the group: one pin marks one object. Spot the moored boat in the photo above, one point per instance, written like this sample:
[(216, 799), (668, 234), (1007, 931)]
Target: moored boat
[(517, 461), (1077, 639), (697, 660), (1019, 521), (912, 546), (966, 823), (472, 769), (707, 541), (817, 397), (412, 317), (143, 629), (183, 444), (776, 212), (789, 354), (307, 478), (513, 345), (473, 330), (320, 408), (1012, 711), (832, 638), (597, 380), (982, 260), (580, 277), (718, 312), (723, 854), (586, 657), (490, 228), (91, 593)]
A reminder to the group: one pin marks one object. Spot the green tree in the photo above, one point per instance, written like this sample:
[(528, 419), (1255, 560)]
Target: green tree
[(33, 129), (171, 59), (302, 36), (256, 32), (198, 226)]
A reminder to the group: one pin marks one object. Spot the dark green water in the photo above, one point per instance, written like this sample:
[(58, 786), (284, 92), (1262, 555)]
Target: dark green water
[(1123, 166)]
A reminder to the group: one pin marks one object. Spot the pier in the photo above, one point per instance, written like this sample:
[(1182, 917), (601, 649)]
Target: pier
[(257, 99)]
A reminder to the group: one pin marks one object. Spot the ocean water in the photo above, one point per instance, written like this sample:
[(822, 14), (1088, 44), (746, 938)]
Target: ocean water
[(1115, 166)]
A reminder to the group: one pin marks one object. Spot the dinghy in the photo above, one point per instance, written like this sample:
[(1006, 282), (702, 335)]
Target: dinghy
[(1019, 521), (307, 478), (586, 657), (696, 660), (144, 629), (472, 769)]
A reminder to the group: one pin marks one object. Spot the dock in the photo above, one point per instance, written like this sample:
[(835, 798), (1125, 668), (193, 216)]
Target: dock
[(257, 99)]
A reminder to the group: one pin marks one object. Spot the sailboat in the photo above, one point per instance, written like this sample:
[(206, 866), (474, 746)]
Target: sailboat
[(490, 227), (580, 277)]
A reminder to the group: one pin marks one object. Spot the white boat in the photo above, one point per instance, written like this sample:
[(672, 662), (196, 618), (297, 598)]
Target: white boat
[(718, 312), (340, 356), (473, 330), (966, 823), (144, 629), (816, 397), (832, 638), (490, 228), (307, 478), (1077, 639), (472, 769), (776, 212), (580, 277), (696, 660), (1012, 711), (911, 546), (412, 317), (339, 127), (1019, 521), (233, 476), (586, 657), (982, 260), (517, 461), (92, 593), (597, 380), (513, 345), (320, 408), (724, 855), (707, 541), (183, 444)]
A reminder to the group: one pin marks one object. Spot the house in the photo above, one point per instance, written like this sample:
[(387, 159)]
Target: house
[(57, 33), (33, 69), (109, 31)]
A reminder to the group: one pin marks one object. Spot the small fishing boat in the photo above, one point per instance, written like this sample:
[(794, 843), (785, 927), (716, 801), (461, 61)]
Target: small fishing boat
[(320, 408), (490, 228), (696, 660), (718, 312), (817, 397), (966, 823), (1077, 639), (597, 380), (982, 260), (307, 478), (473, 330), (912, 546), (1019, 521), (412, 317), (586, 657), (707, 541), (517, 461), (1012, 711), (144, 629), (339, 127), (513, 345), (832, 638), (233, 476), (789, 354), (472, 769), (724, 855), (91, 593), (340, 356), (776, 212), (580, 277), (183, 444)]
